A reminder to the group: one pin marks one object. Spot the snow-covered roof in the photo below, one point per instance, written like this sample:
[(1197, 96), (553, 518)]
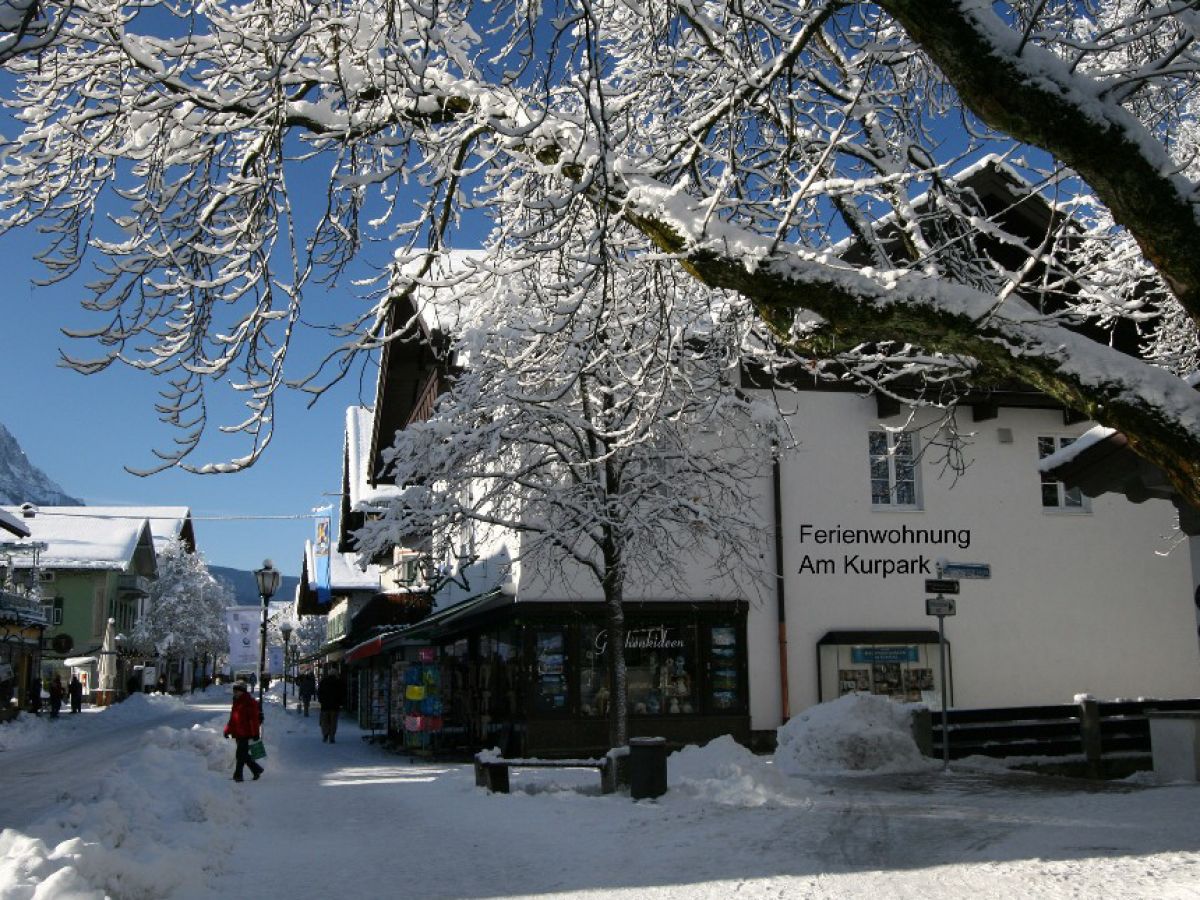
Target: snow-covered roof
[(75, 540), (166, 522), (344, 572), (442, 309), (359, 422)]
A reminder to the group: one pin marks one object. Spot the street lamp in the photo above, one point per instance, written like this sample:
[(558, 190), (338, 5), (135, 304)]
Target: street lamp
[(268, 581), (285, 628)]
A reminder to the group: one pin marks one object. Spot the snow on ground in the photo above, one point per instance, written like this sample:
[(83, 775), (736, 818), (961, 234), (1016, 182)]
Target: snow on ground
[(353, 819)]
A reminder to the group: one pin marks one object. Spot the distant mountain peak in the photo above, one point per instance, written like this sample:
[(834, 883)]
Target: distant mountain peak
[(23, 482)]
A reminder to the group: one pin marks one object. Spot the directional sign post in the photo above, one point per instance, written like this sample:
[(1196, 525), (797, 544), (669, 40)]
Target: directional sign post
[(947, 569), (941, 607), (941, 586)]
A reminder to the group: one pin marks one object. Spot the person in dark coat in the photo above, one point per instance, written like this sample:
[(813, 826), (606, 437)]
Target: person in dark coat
[(75, 689), (308, 688), (245, 720), (56, 696), (330, 694)]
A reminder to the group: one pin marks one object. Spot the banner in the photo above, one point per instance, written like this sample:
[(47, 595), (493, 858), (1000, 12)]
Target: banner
[(321, 551), (243, 623)]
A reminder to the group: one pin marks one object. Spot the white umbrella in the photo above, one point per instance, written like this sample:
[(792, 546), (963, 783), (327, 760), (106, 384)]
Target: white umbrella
[(106, 676)]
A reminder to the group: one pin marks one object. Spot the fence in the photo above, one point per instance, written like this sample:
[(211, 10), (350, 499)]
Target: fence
[(1090, 731)]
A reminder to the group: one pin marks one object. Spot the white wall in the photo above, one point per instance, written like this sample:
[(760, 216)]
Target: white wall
[(1076, 602)]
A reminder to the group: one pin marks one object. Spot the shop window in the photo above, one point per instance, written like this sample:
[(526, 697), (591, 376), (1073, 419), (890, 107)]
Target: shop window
[(894, 481), (660, 670), (593, 672), (550, 684), (1055, 494), (723, 670)]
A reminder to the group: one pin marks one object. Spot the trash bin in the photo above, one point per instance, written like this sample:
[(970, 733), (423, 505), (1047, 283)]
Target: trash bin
[(647, 767), (1175, 744)]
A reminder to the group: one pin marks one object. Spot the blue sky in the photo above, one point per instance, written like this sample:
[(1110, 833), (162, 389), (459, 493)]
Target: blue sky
[(82, 430)]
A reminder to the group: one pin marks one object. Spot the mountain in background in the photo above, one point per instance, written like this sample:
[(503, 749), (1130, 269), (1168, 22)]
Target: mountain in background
[(23, 482), (245, 588)]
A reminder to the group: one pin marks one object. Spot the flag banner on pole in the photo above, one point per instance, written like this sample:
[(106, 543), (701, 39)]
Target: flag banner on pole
[(321, 552), (243, 624)]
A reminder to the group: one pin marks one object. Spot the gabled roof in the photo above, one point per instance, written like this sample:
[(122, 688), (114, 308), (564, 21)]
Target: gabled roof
[(358, 466), (1101, 461), (86, 542), (166, 522)]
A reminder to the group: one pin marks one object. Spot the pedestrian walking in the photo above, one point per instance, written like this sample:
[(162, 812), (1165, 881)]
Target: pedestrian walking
[(75, 689), (307, 687), (56, 695), (245, 720), (330, 694)]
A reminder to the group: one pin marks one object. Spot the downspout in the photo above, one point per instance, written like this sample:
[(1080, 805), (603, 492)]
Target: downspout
[(780, 595)]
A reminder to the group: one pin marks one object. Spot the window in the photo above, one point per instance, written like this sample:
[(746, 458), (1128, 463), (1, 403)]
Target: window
[(1055, 494), (894, 470)]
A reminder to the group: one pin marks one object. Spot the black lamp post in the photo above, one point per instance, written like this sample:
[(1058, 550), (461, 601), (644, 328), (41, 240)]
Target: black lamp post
[(285, 628), (268, 580)]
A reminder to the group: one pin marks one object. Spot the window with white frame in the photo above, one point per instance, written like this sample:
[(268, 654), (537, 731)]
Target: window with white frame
[(894, 481), (1055, 494)]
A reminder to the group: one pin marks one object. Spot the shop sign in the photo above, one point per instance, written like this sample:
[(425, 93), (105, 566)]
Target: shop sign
[(866, 655), (654, 637)]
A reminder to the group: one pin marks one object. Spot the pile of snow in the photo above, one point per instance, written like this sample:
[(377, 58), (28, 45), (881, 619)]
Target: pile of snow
[(857, 733), (28, 730), (722, 771), (161, 818)]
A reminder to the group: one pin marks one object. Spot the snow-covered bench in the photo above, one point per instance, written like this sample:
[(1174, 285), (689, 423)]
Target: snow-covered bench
[(491, 769)]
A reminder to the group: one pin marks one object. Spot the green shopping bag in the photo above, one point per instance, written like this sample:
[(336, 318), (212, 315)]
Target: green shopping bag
[(257, 750)]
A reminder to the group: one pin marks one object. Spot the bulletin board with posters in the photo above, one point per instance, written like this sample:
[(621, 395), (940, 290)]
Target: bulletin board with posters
[(899, 665)]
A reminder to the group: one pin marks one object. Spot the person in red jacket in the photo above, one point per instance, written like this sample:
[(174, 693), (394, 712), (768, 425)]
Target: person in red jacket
[(245, 718)]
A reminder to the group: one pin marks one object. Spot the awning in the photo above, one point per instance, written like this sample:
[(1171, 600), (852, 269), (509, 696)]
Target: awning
[(454, 619), (77, 661), (365, 649)]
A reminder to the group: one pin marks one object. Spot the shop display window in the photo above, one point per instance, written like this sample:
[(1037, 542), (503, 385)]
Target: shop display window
[(723, 669), (550, 671), (660, 670), (593, 672)]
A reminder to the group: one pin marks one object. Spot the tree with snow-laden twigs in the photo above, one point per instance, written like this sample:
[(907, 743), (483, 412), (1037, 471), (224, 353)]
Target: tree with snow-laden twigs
[(593, 437), (185, 613), (801, 154)]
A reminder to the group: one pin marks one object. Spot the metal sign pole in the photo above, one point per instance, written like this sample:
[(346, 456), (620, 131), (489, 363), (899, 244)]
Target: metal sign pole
[(945, 727)]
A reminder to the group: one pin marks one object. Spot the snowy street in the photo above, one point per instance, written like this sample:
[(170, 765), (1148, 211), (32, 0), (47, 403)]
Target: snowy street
[(353, 819)]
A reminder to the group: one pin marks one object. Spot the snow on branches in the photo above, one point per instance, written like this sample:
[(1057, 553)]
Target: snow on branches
[(219, 161)]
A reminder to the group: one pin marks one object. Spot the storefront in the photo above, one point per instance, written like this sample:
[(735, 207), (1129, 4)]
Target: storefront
[(532, 678), (22, 624), (902, 665)]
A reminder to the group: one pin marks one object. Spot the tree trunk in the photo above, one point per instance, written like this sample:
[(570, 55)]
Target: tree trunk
[(618, 686)]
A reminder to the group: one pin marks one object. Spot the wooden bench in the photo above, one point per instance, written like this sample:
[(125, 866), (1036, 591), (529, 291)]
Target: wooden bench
[(491, 770)]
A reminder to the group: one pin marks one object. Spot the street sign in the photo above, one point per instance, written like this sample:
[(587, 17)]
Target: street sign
[(940, 606), (963, 570), (941, 586)]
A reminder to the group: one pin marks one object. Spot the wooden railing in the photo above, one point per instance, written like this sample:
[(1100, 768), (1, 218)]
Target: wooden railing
[(1090, 729), (426, 398)]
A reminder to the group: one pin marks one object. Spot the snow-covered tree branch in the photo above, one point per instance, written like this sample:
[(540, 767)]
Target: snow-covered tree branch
[(805, 154)]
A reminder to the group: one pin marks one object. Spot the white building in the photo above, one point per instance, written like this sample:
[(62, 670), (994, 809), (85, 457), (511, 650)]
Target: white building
[(1083, 595)]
